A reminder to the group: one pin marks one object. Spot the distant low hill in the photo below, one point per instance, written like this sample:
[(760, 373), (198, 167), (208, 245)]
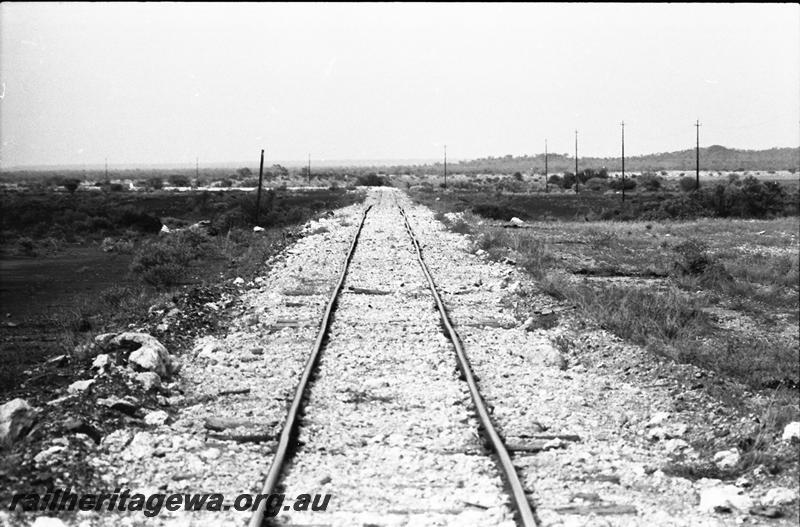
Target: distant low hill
[(711, 158)]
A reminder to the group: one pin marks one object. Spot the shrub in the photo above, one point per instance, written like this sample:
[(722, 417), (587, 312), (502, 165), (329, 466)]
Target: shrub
[(590, 173), (650, 182), (371, 180), (177, 180), (568, 179), (511, 185), (162, 263), (687, 184), (128, 217), (555, 180), (693, 257), (71, 185), (617, 183), (27, 246), (155, 183), (596, 184)]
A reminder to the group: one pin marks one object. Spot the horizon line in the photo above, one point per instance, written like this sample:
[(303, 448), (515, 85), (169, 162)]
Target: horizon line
[(338, 162)]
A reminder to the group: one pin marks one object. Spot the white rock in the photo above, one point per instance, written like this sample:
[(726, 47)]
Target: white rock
[(516, 222), (723, 499), (79, 386), (258, 229), (58, 400), (654, 434), (48, 521), (727, 458), (101, 362), (553, 444), (677, 430), (104, 338), (658, 418), (42, 457), (238, 280), (779, 496), (674, 446), (148, 380), (164, 230), (791, 431), (151, 355), (156, 418), (16, 418), (552, 357), (141, 446), (210, 453)]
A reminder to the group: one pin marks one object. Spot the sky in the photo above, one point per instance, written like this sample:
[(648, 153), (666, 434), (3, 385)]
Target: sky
[(166, 83)]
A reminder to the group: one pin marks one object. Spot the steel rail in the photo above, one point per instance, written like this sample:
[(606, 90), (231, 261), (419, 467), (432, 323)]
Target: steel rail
[(290, 425), (526, 514)]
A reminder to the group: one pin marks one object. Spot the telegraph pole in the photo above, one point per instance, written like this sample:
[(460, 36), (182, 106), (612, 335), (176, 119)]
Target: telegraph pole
[(576, 161), (106, 168), (546, 188), (258, 193), (445, 167), (697, 157), (623, 161), (309, 169), (197, 167)]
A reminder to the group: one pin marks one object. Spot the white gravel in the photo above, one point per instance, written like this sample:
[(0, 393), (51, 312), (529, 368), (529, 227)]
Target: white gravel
[(388, 425)]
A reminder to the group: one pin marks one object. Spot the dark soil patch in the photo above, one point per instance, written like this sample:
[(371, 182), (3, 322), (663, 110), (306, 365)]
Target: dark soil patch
[(29, 286)]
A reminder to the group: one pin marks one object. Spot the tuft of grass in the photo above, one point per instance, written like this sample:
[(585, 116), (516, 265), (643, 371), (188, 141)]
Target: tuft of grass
[(461, 227), (639, 315), (162, 262)]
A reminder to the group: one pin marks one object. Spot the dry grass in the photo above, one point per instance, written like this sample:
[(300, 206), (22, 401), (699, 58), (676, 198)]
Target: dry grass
[(749, 268)]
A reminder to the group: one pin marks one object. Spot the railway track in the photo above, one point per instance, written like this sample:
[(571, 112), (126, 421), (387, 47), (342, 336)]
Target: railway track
[(387, 409)]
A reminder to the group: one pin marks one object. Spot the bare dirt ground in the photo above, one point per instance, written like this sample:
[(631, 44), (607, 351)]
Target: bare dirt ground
[(592, 421)]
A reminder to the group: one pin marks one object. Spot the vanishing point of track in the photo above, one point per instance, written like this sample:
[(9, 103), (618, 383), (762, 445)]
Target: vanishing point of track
[(522, 509)]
